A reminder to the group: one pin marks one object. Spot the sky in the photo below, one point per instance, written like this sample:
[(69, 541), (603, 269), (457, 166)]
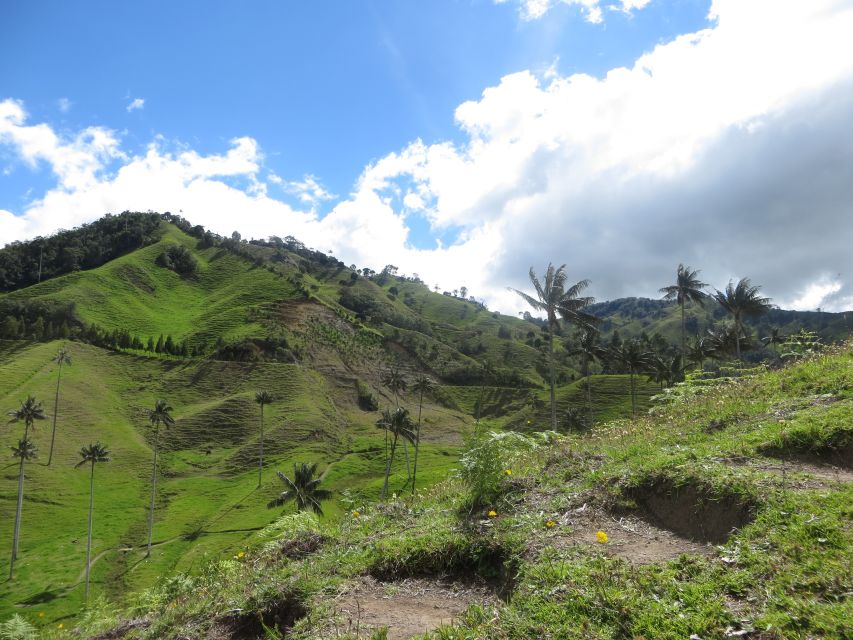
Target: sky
[(464, 141)]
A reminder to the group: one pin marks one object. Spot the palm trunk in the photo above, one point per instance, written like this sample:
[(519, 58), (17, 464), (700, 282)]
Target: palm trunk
[(737, 337), (261, 458), (89, 540), (17, 519), (417, 443), (633, 397), (153, 493), (408, 466), (55, 411), (17, 530), (388, 467), (682, 331), (551, 365), (588, 389)]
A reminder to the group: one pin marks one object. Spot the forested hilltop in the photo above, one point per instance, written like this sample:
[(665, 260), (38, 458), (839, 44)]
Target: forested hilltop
[(196, 388)]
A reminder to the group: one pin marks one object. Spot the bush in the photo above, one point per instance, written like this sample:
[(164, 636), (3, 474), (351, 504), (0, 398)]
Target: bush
[(488, 463), (366, 400), (178, 259)]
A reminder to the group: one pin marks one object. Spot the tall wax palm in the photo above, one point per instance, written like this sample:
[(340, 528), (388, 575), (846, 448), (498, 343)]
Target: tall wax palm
[(262, 398), (302, 489), (774, 338), (556, 301), (664, 369), (398, 424), (29, 411), (91, 455), (25, 451), (422, 385), (687, 288), (396, 382), (740, 301), (589, 350), (62, 357), (161, 414), (635, 359)]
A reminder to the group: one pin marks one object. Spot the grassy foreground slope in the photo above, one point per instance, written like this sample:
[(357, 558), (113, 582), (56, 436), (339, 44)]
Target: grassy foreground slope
[(748, 531)]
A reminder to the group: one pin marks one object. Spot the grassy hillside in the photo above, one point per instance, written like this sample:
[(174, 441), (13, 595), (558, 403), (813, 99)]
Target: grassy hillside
[(207, 498), (726, 514)]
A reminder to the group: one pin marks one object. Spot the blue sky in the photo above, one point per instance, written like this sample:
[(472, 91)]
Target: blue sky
[(409, 132)]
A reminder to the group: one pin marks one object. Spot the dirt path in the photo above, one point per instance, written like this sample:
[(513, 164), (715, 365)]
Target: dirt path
[(630, 538), (407, 607), (797, 474)]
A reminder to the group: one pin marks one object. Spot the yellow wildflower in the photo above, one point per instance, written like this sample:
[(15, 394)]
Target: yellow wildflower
[(550, 523), (508, 472), (241, 554), (60, 626), (355, 514), (601, 537), (493, 513), (41, 614)]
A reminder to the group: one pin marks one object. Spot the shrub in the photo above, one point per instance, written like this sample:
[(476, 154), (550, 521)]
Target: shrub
[(487, 464), (178, 259)]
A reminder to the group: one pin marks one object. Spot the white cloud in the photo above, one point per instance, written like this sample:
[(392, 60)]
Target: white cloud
[(591, 9), (136, 104), (308, 191), (726, 149), (64, 105)]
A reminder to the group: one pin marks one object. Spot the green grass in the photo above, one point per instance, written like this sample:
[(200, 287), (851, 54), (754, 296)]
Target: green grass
[(785, 573), (208, 503)]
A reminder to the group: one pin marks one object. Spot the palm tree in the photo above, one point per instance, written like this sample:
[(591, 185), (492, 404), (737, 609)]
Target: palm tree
[(90, 455), (303, 489), (635, 359), (159, 415), (554, 299), (62, 357), (422, 385), (687, 288), (700, 350), (400, 425), (589, 350), (262, 398), (25, 451), (742, 300), (396, 382), (29, 411), (664, 370), (776, 337)]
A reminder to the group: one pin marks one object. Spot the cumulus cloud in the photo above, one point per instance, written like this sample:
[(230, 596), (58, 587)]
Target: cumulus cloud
[(137, 104), (592, 9), (308, 191), (725, 149)]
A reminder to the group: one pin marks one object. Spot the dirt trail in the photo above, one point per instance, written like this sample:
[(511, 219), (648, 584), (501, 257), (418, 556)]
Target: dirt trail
[(798, 474), (629, 538), (407, 608)]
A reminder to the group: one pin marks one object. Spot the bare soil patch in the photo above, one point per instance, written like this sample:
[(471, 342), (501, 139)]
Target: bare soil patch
[(830, 457), (796, 473), (691, 511), (279, 616), (408, 607), (628, 537)]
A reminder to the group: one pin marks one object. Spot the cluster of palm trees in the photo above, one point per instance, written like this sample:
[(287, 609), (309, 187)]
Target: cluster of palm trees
[(559, 302), (29, 413), (397, 424)]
